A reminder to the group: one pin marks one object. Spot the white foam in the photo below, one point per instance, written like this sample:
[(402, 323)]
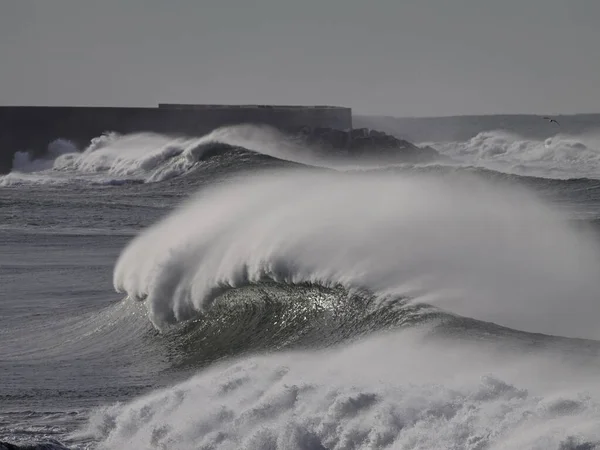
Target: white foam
[(146, 157), (481, 250), (561, 156), (394, 392)]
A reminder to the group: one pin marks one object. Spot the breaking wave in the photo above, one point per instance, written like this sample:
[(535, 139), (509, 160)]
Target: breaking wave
[(149, 157), (114, 159), (477, 249), (561, 156), (467, 246)]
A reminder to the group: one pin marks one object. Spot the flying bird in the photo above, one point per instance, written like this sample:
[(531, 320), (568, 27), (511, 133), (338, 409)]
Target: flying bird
[(552, 120)]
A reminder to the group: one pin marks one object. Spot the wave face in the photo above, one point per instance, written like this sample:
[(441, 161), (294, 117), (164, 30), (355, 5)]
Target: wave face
[(477, 249), (561, 156), (149, 157)]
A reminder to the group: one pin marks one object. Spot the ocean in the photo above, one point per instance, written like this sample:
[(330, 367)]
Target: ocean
[(238, 291)]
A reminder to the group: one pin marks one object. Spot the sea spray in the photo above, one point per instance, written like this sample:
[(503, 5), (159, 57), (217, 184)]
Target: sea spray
[(25, 162), (478, 249), (151, 157)]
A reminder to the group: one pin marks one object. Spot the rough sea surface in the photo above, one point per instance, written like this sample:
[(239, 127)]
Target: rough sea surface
[(233, 291)]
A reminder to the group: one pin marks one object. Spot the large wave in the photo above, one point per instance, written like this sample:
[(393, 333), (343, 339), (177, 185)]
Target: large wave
[(478, 249), (110, 158), (561, 156), (148, 157)]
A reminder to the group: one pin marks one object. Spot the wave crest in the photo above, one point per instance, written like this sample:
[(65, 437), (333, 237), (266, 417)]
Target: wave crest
[(394, 391), (490, 253)]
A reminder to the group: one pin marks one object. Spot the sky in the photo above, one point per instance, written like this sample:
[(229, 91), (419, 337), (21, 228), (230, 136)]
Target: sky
[(389, 57)]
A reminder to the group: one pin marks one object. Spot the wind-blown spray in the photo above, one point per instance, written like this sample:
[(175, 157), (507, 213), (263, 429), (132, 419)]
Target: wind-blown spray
[(477, 249)]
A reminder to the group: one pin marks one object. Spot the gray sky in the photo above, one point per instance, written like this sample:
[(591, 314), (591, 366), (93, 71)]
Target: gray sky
[(398, 57)]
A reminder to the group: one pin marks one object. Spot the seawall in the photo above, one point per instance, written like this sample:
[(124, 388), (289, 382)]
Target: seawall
[(32, 128)]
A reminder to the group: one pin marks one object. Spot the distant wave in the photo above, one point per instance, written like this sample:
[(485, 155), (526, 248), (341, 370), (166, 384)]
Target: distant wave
[(113, 159), (478, 249), (560, 157), (110, 159), (50, 444)]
